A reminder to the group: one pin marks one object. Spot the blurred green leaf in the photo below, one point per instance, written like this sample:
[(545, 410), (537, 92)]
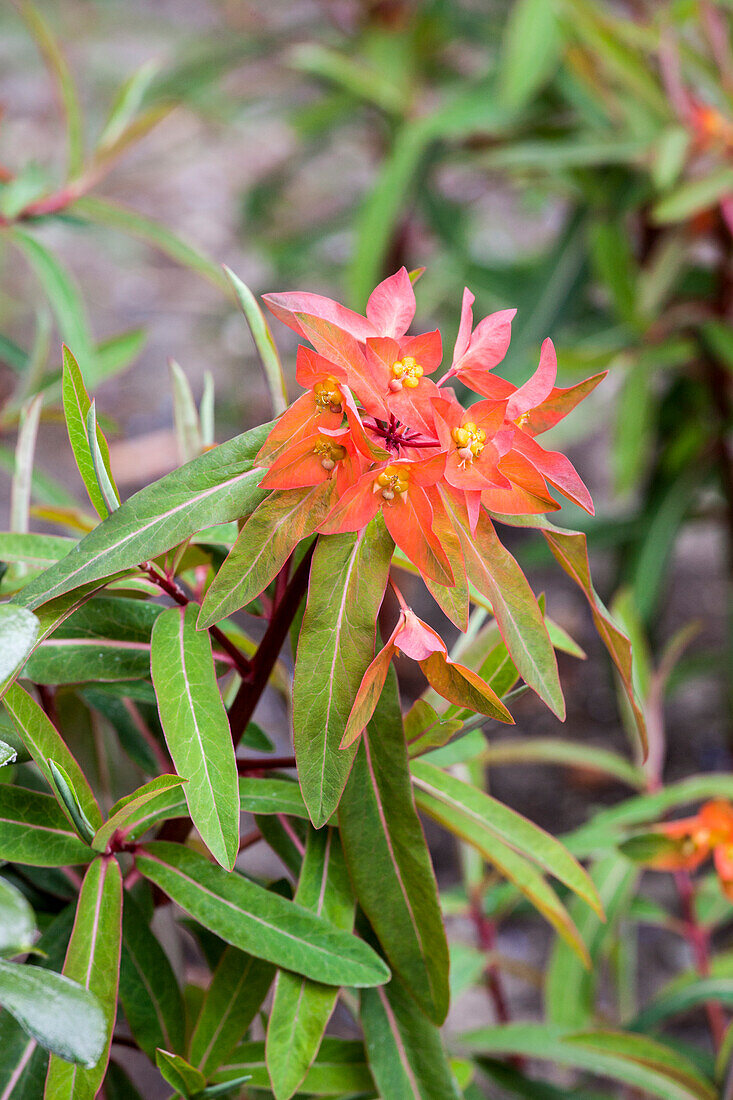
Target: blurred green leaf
[(693, 196), (531, 51), (18, 632), (17, 921), (264, 342)]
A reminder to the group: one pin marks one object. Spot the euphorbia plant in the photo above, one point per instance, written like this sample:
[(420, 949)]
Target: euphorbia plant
[(130, 694)]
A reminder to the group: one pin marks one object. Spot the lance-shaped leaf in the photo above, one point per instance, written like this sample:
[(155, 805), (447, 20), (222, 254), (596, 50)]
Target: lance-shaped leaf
[(339, 1070), (58, 1013), (271, 796), (17, 920), (149, 992), (552, 750), (33, 549), (216, 487), (101, 473), (679, 998), (264, 544), (258, 921), (196, 728), (347, 582), (571, 550), (389, 862), (35, 830), (403, 1047), (495, 573), (237, 990), (77, 405), (649, 1066), (485, 812), (93, 960), (301, 1009), (20, 490), (509, 863), (263, 341), (18, 632), (69, 799), (44, 743), (131, 814), (24, 1062), (184, 1078)]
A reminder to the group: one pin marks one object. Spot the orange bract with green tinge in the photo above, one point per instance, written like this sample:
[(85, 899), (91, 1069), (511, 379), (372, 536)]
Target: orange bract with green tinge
[(694, 839)]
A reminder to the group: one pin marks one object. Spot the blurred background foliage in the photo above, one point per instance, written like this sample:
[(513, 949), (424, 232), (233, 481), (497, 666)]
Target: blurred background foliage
[(568, 157)]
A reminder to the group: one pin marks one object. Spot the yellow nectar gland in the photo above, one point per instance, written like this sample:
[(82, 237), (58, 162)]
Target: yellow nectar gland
[(330, 453), (405, 372), (328, 395), (469, 441), (393, 480), (522, 420)]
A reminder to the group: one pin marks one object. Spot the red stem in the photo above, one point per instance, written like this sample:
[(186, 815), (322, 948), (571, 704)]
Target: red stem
[(699, 942), (265, 764), (263, 662), (174, 590)]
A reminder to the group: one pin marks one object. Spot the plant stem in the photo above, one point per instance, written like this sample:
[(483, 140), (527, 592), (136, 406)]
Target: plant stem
[(263, 662), (174, 590), (699, 942), (265, 764)]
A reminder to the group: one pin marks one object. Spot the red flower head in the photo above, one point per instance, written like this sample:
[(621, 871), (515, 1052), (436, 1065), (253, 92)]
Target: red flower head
[(693, 839)]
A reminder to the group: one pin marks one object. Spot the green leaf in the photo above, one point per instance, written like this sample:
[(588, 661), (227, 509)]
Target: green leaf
[(24, 1063), (271, 796), (497, 576), (127, 102), (404, 1049), (131, 815), (508, 862), (32, 549), (263, 546), (17, 921), (301, 1009), (636, 1061), (347, 582), (339, 1070), (237, 990), (264, 342), (69, 799), (675, 1001), (179, 1074), (259, 922), (57, 65), (101, 474), (44, 743), (18, 632), (77, 406), (93, 960), (616, 267), (8, 754), (570, 987), (149, 992), (35, 830), (531, 51), (196, 728), (484, 812), (115, 216), (693, 196), (552, 750), (20, 492), (185, 414), (105, 640), (425, 729), (219, 486), (58, 1013), (62, 293), (388, 859)]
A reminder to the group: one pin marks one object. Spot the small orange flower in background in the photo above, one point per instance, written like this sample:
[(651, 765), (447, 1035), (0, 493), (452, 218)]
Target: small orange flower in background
[(695, 839)]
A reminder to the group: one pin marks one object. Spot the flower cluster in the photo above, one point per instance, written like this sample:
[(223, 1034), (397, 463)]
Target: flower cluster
[(387, 438), (693, 839)]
